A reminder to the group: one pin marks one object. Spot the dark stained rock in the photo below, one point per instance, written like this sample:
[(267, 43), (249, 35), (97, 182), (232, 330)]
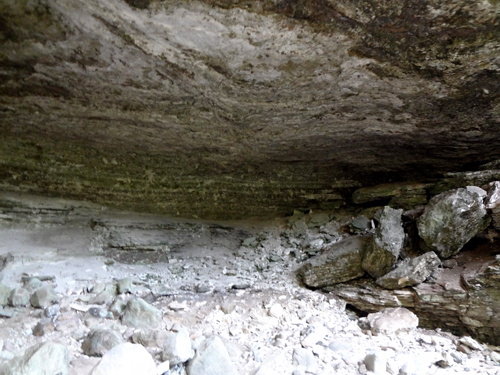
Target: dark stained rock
[(450, 220), (401, 194), (464, 179), (493, 198), (99, 341), (410, 272), (386, 245), (340, 262)]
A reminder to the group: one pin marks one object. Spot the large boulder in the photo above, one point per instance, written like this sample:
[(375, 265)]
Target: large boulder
[(46, 358), (451, 219), (340, 262), (392, 320), (211, 358), (410, 272), (386, 244), (126, 359)]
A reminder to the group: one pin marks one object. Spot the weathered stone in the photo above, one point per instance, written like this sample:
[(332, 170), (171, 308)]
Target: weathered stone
[(450, 220), (211, 358), (463, 179), (340, 262), (410, 272), (361, 223), (140, 314), (402, 194), (125, 286), (386, 245), (99, 341), (32, 284), (317, 220), (105, 294), (44, 297), (376, 362), (493, 198), (392, 320), (150, 338), (126, 359), (177, 347), (19, 297), (46, 358), (43, 327), (306, 359), (5, 293)]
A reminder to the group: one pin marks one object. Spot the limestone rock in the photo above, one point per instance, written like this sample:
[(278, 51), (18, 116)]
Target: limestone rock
[(177, 347), (99, 341), (5, 293), (386, 245), (150, 338), (126, 359), (410, 272), (493, 198), (46, 358), (211, 358), (19, 297), (305, 358), (140, 314), (340, 262), (392, 320), (125, 286), (402, 194), (457, 180), (450, 220), (44, 297), (376, 362)]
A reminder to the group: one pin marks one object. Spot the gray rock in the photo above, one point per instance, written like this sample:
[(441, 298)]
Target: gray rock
[(450, 220), (493, 198), (150, 338), (32, 284), (19, 297), (361, 223), (46, 358), (340, 262), (117, 307), (159, 290), (140, 314), (43, 327), (376, 362), (44, 297), (477, 190), (306, 359), (319, 219), (386, 245), (125, 286), (177, 347), (99, 341), (392, 320), (410, 272), (105, 296), (126, 359), (5, 292), (6, 312), (211, 358), (52, 311)]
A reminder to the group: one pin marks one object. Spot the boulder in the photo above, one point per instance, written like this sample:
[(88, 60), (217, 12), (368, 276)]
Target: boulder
[(45, 358), (177, 347), (150, 338), (99, 341), (126, 359), (140, 314), (392, 320), (340, 262), (386, 245), (211, 358), (5, 293), (19, 297), (493, 198), (410, 272), (450, 220), (44, 297)]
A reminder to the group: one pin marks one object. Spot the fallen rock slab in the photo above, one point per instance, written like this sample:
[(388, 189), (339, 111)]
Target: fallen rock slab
[(450, 220), (126, 359), (386, 245), (340, 262), (410, 272)]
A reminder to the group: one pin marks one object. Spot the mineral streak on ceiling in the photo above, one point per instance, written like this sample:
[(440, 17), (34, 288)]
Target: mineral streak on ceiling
[(232, 108)]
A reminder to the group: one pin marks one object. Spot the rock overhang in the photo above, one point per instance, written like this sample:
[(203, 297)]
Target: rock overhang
[(225, 109)]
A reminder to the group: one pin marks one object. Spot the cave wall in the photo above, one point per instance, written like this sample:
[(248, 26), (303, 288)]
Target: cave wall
[(235, 108)]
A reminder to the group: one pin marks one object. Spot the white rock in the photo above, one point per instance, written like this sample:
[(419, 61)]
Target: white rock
[(163, 368), (392, 320), (211, 358), (177, 347), (315, 333), (276, 311), (306, 359), (471, 343), (493, 198), (474, 189), (126, 359), (376, 362)]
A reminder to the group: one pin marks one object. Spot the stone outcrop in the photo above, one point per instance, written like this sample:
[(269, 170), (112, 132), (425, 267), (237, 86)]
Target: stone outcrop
[(410, 272), (237, 108), (450, 220), (398, 194), (340, 262), (386, 245)]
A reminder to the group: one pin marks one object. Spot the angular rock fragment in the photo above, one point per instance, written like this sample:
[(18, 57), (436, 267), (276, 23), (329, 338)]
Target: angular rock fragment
[(140, 314), (386, 245), (150, 338), (125, 286), (100, 341), (410, 272), (44, 297), (450, 220), (340, 262), (45, 358), (392, 320), (43, 327), (126, 359), (305, 358), (211, 358), (493, 198), (177, 347), (19, 297), (5, 293)]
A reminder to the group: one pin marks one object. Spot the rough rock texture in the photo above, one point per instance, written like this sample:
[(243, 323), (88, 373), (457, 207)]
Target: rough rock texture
[(231, 108), (450, 220), (386, 245), (99, 341), (45, 358), (126, 359), (211, 358), (340, 262), (400, 195), (463, 299), (392, 320), (140, 314), (177, 347), (410, 272)]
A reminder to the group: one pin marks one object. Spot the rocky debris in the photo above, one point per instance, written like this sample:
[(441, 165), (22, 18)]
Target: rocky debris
[(5, 293), (305, 360), (177, 346), (450, 220), (211, 358), (125, 286), (386, 245), (44, 358), (376, 362), (19, 297), (455, 180), (44, 297), (340, 262), (399, 194), (99, 341), (126, 359), (32, 283), (317, 220), (140, 314), (391, 320), (493, 198), (104, 294), (43, 327), (361, 224), (410, 272)]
